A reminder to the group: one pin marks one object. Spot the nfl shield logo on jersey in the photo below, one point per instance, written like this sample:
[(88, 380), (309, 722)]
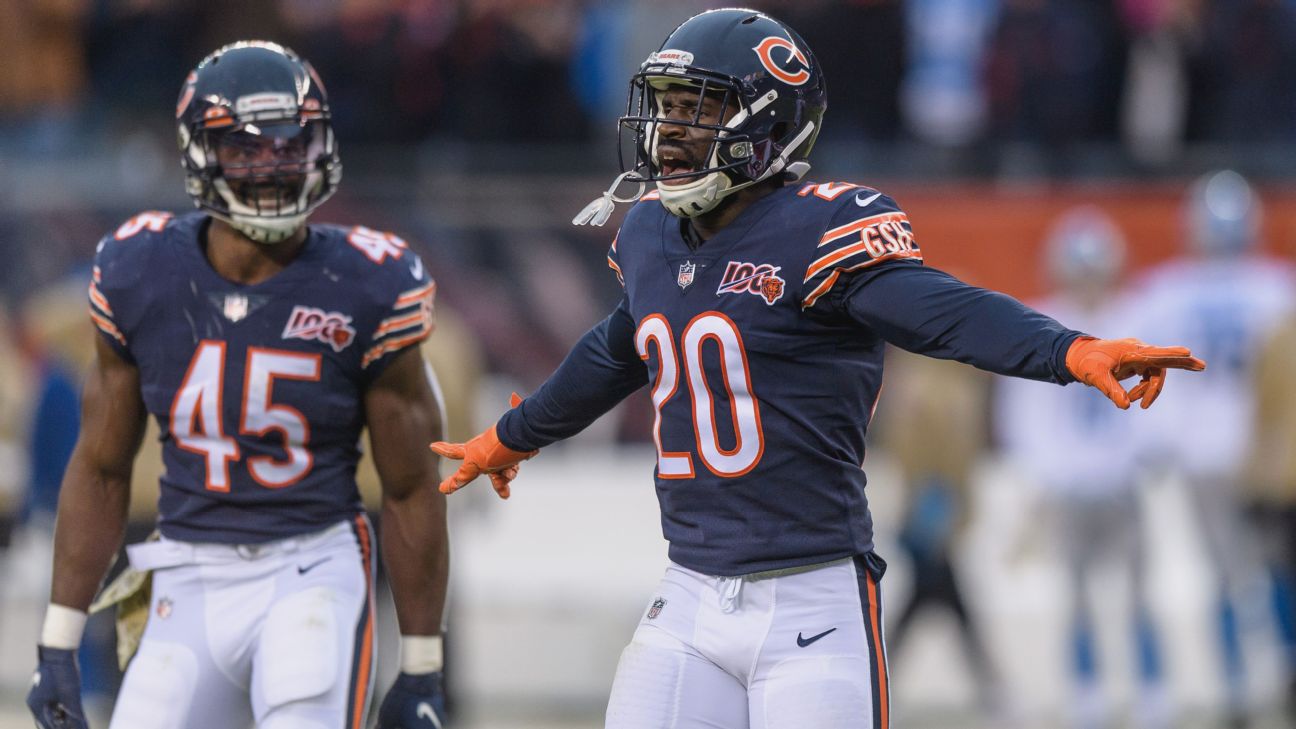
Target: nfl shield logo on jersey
[(687, 269), (656, 608), (236, 307)]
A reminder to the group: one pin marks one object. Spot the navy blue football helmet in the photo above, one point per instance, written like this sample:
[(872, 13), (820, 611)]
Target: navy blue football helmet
[(760, 71), (256, 142)]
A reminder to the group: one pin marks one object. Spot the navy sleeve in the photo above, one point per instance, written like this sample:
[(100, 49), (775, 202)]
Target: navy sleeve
[(930, 312), (602, 369)]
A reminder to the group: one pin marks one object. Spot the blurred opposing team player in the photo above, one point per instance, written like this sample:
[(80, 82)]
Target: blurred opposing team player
[(1271, 480), (1080, 454), (263, 347), (936, 431), (1224, 299), (757, 310)]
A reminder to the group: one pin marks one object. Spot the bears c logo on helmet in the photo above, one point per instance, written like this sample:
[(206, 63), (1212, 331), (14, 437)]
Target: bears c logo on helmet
[(186, 94), (765, 52)]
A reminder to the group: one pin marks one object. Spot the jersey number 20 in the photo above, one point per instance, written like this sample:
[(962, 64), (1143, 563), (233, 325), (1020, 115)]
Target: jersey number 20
[(196, 414), (720, 329)]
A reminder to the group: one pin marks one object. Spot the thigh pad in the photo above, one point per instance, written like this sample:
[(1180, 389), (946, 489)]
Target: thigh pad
[(297, 655)]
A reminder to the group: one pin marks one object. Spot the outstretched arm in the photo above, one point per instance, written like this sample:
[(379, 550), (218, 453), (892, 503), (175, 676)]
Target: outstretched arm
[(600, 371), (930, 312)]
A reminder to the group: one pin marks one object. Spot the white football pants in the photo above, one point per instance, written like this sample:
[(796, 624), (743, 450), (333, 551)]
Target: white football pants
[(277, 635), (794, 649)]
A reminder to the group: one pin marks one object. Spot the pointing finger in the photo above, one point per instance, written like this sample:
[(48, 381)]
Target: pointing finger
[(448, 450)]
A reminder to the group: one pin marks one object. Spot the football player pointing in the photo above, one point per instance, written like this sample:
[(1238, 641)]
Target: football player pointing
[(756, 308), (262, 347)]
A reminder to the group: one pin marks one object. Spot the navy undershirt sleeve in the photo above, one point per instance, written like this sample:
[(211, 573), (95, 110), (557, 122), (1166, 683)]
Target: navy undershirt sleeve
[(602, 369), (928, 311)]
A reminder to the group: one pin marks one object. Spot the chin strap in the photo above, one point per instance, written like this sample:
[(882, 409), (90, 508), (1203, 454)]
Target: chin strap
[(263, 235), (261, 230), (600, 208)]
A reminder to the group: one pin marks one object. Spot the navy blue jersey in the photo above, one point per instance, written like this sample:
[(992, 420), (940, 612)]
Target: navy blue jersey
[(763, 350), (257, 389)]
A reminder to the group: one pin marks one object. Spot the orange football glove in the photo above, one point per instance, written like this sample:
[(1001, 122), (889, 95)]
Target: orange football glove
[(483, 454), (1102, 363)]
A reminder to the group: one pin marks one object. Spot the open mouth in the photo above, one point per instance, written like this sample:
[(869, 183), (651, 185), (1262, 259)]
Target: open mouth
[(674, 162), (263, 195)]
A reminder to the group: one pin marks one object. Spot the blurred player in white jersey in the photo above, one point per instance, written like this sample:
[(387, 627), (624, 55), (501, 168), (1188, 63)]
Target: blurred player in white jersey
[(1083, 462), (1224, 299)]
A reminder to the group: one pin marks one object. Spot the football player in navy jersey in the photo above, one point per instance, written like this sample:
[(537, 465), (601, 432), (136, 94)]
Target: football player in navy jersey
[(756, 308), (263, 347)]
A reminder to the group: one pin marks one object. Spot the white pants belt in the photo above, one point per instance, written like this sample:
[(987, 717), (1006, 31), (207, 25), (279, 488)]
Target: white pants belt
[(164, 553)]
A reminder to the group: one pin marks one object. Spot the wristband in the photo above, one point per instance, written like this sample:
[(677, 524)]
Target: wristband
[(63, 627), (421, 654)]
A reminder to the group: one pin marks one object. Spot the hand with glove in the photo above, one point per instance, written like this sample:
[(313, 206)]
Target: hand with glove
[(1103, 363), (483, 454), (55, 695), (415, 701)]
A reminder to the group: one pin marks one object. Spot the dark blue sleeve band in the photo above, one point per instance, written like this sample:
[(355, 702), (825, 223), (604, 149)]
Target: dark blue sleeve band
[(930, 312), (602, 369)]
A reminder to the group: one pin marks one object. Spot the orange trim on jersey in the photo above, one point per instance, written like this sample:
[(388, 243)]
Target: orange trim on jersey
[(842, 231), (612, 265), (664, 347), (394, 344), (362, 677), (827, 285), (412, 296), (271, 406), (107, 327), (733, 407), (651, 195), (829, 190), (99, 300), (98, 275), (400, 322), (218, 392), (841, 254)]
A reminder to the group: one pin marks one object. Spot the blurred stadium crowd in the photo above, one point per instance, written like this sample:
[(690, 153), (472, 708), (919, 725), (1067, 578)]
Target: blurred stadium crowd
[(476, 128)]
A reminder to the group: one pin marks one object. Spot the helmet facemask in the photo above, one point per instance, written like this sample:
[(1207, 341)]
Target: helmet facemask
[(752, 67), (734, 158), (265, 174)]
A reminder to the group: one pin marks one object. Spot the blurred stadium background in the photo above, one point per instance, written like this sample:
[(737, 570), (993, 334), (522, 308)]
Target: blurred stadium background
[(477, 128)]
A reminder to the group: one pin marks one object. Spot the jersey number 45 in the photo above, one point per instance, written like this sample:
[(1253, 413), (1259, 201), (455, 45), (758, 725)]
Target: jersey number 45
[(196, 414)]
